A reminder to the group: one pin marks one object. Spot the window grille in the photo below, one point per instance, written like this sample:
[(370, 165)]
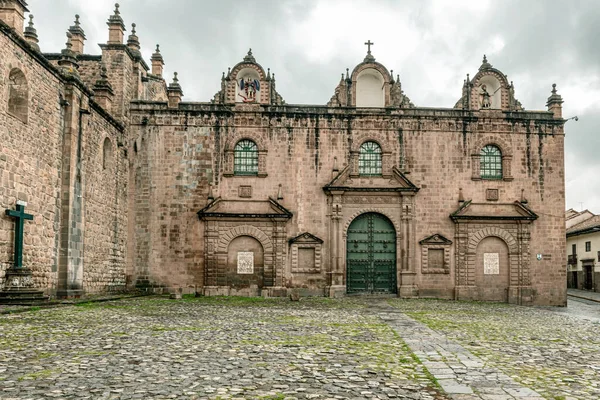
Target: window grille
[(369, 159), (491, 163), (245, 158)]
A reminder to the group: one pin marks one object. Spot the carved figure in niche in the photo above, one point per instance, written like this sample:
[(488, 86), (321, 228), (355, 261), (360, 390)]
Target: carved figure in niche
[(248, 89), (484, 97)]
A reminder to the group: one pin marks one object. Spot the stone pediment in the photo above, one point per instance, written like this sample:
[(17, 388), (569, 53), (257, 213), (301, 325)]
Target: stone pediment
[(493, 211), (220, 208), (397, 182), (436, 239), (305, 238)]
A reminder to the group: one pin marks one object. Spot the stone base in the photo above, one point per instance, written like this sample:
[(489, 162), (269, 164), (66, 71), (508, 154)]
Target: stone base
[(522, 295), (408, 292), (70, 294), (19, 289), (336, 291)]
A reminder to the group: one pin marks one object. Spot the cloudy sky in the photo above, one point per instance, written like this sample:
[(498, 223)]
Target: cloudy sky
[(432, 44)]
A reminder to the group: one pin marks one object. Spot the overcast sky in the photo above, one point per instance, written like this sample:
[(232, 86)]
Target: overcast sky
[(432, 44)]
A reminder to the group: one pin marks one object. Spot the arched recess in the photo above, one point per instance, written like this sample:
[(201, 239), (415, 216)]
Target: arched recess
[(18, 95), (268, 271), (245, 263), (513, 260), (370, 88), (492, 269), (371, 255)]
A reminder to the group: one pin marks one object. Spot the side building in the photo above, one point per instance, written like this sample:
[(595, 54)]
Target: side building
[(583, 250)]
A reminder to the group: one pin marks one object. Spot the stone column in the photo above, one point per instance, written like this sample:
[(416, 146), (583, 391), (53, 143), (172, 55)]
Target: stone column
[(407, 276), (337, 287)]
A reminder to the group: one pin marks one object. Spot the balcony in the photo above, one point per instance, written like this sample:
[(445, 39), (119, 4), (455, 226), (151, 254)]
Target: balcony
[(572, 259)]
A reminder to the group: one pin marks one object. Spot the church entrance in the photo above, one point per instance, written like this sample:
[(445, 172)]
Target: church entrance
[(371, 255)]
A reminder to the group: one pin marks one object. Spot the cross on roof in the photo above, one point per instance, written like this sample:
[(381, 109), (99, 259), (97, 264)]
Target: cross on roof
[(369, 44)]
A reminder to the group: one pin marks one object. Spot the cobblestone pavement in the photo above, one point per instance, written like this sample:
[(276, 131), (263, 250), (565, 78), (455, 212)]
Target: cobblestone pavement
[(552, 351), (208, 348), (156, 348)]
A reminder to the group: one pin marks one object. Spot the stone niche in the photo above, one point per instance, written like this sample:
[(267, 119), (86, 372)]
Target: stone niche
[(370, 89), (245, 264)]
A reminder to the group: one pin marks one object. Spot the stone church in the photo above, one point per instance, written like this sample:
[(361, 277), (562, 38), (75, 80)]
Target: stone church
[(129, 187)]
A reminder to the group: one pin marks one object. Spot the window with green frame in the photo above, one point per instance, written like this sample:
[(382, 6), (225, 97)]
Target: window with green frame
[(245, 158), (369, 159), (490, 162)]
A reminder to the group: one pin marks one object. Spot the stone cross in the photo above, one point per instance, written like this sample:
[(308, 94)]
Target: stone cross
[(369, 44), (20, 216)]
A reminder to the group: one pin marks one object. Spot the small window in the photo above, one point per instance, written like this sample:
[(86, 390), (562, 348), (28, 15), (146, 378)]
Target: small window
[(491, 162), (588, 246), (574, 249), (598, 256), (245, 158), (18, 95), (369, 159), (106, 153)]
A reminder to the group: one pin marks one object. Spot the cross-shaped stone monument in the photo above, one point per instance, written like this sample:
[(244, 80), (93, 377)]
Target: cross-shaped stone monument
[(18, 283)]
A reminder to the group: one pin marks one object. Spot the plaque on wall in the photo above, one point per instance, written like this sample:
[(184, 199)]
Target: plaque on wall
[(245, 262), (491, 264)]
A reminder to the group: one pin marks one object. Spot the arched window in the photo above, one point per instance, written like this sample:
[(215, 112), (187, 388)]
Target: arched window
[(106, 153), (369, 159), (245, 158), (490, 162), (18, 96)]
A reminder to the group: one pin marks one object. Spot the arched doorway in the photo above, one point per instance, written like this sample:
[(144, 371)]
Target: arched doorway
[(371, 255)]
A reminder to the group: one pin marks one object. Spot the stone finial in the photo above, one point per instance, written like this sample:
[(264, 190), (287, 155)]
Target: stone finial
[(523, 198), (268, 74), (228, 73), (116, 27), (133, 42), (249, 58), (461, 198), (348, 75), (68, 61), (77, 36), (279, 193), (103, 92), (485, 64), (157, 62), (174, 92), (12, 13), (554, 103), (31, 34)]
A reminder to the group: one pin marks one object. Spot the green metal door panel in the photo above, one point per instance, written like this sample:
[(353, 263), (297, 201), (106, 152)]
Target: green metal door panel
[(371, 255)]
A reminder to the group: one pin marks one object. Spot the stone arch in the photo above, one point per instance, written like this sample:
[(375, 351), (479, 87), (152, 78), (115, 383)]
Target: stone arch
[(478, 236), (383, 212), (487, 75), (236, 137), (18, 94), (245, 230), (494, 140)]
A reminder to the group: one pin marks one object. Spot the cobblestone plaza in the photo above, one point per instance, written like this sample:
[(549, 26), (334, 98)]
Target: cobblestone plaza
[(254, 348)]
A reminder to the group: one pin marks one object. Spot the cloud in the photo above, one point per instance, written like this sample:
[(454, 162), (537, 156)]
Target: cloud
[(431, 44)]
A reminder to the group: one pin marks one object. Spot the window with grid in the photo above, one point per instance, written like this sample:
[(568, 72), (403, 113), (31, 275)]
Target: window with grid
[(245, 158), (588, 246), (491, 163), (369, 159)]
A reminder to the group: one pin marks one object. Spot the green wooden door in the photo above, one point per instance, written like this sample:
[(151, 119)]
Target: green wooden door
[(371, 255)]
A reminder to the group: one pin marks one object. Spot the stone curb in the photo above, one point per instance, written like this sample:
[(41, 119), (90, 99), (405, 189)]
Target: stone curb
[(583, 297)]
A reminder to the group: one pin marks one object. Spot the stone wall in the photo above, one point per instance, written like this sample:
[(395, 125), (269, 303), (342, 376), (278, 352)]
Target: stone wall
[(433, 147), (30, 162)]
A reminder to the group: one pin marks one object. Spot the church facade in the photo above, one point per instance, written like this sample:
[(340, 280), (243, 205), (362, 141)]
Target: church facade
[(246, 195)]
